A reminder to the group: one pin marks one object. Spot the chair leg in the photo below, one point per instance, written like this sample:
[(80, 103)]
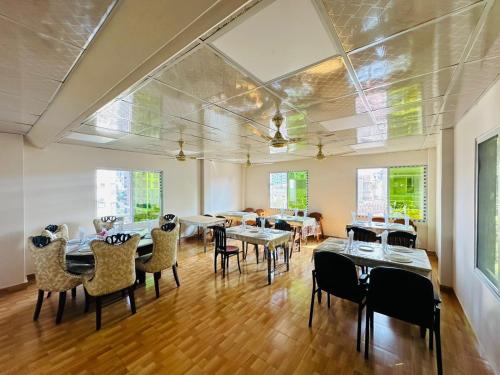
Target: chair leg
[(98, 308), (311, 310), (215, 262), (49, 294), (328, 299), (131, 298), (257, 253), (360, 315), (367, 332), (422, 331), (238, 259), (431, 339), (87, 301), (38, 305), (157, 283), (223, 264), (439, 360), (73, 292), (176, 276), (320, 296), (60, 308), (372, 320)]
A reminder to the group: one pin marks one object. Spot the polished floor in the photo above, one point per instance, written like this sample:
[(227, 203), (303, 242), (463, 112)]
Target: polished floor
[(211, 325)]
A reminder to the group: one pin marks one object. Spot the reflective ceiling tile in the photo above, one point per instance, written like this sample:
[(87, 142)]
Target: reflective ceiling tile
[(27, 85), (28, 52), (333, 109), (19, 117), (14, 128), (325, 81), (423, 50), (104, 132), (477, 76), (21, 104), (70, 21), (488, 41), (362, 22), (410, 90), (160, 98), (460, 103), (205, 75)]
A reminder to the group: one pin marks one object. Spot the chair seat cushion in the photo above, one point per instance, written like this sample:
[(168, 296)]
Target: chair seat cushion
[(232, 249), (80, 268), (144, 258)]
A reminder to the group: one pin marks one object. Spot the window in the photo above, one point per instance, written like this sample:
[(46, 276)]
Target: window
[(395, 190), (134, 195), (288, 190), (487, 207)]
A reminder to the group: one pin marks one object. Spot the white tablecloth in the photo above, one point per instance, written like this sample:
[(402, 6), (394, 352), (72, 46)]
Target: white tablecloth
[(378, 227), (265, 237), (238, 215)]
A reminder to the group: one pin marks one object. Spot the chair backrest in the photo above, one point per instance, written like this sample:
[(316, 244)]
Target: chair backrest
[(248, 209), (49, 258), (207, 215), (400, 238), (165, 242), (114, 266), (402, 221), (283, 225), (259, 211), (258, 222), (337, 275), (118, 238), (220, 237), (361, 234), (228, 221), (164, 219), (56, 231), (378, 219), (318, 216), (401, 294), (105, 222), (300, 213)]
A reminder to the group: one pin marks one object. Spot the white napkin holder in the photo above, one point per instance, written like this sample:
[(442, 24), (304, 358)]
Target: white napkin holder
[(407, 221), (383, 238)]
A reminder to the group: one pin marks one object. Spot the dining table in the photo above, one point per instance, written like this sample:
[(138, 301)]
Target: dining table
[(379, 227), (269, 238), (305, 224), (200, 221), (372, 254), (238, 215)]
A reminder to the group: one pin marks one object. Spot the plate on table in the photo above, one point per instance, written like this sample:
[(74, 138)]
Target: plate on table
[(399, 258), (74, 241), (401, 249), (338, 242), (366, 248), (335, 247), (275, 231), (253, 231)]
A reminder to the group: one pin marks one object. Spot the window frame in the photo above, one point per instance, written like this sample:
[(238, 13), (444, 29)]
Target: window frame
[(484, 137), (426, 188), (160, 172), (287, 205)]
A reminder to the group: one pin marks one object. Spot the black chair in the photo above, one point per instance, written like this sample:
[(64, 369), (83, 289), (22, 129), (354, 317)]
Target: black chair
[(361, 234), (406, 296), (337, 275), (258, 222), (400, 238), (283, 225), (224, 250)]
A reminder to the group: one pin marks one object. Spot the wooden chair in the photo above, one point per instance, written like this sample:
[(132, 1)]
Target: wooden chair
[(300, 213), (224, 250), (406, 296), (400, 238), (402, 221), (248, 209), (114, 270), (378, 219), (51, 273), (361, 234), (336, 275), (164, 255), (259, 212), (319, 224)]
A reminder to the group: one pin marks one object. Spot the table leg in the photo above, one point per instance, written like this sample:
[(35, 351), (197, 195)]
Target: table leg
[(180, 233), (266, 249), (205, 239), (243, 250), (287, 257)]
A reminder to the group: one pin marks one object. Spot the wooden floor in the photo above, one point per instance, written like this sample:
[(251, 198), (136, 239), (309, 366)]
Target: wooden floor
[(233, 326)]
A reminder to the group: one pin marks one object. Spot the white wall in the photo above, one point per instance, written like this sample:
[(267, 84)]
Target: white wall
[(11, 211), (222, 185), (60, 184), (332, 186), (480, 303)]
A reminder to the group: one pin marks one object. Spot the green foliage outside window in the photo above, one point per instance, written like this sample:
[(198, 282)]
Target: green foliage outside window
[(146, 195), (297, 190), (406, 189)]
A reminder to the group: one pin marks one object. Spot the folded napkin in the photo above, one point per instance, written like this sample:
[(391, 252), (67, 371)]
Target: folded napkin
[(383, 238), (407, 221), (351, 239)]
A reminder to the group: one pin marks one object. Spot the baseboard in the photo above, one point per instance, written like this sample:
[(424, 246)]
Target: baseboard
[(14, 288), (447, 289)]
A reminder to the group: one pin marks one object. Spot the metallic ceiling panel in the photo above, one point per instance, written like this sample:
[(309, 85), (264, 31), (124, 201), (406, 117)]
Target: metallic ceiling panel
[(476, 76), (19, 117), (14, 128), (21, 104), (325, 81), (26, 51), (361, 22), (205, 75), (73, 22), (419, 51), (410, 90), (487, 43), (27, 85), (338, 108)]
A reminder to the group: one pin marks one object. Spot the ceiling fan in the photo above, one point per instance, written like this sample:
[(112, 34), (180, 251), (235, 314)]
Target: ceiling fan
[(321, 156), (278, 140)]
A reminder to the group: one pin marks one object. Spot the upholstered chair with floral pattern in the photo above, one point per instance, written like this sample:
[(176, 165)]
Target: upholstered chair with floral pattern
[(51, 273), (56, 231), (167, 218), (164, 255), (114, 270), (105, 222)]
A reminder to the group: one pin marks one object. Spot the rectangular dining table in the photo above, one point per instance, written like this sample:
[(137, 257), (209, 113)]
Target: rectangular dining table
[(200, 221), (379, 227), (268, 238), (305, 224), (419, 261), (238, 215)]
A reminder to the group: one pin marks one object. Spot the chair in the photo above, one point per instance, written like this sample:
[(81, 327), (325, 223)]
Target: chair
[(258, 222), (259, 212), (400, 238), (56, 231), (224, 250), (406, 296), (229, 222), (300, 213), (105, 222), (114, 270), (336, 274), (51, 273), (248, 210), (402, 221), (378, 219), (319, 224), (283, 225), (361, 234), (164, 219), (164, 254)]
